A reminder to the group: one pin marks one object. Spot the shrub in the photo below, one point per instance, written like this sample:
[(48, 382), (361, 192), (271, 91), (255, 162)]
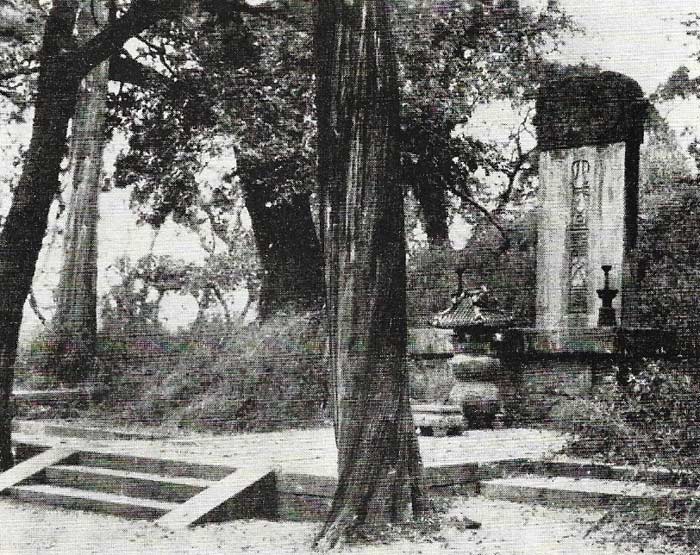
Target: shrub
[(218, 377), (668, 265), (652, 419)]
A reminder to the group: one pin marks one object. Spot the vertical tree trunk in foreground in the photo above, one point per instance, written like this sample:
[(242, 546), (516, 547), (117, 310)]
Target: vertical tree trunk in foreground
[(62, 67), (379, 467), (25, 226), (75, 321)]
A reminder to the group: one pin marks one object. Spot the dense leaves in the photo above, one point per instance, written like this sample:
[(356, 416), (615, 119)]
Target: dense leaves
[(249, 79), (241, 86), (651, 418), (459, 57), (134, 301)]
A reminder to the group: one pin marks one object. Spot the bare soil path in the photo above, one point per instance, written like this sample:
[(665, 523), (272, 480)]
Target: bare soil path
[(507, 529)]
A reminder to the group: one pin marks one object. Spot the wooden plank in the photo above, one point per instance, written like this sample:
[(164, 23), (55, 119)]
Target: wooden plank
[(33, 466), (196, 508)]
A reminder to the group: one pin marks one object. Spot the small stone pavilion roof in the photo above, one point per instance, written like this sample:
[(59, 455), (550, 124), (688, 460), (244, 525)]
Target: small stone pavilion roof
[(471, 309)]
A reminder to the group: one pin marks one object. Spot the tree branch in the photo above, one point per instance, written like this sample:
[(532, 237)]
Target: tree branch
[(35, 306), (22, 71), (220, 297), (262, 9), (127, 70), (140, 16), (481, 208)]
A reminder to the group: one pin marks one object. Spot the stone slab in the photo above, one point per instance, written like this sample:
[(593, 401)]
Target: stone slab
[(92, 432), (162, 467), (71, 498), (48, 396), (581, 468), (196, 508), (589, 493), (120, 482), (32, 466)]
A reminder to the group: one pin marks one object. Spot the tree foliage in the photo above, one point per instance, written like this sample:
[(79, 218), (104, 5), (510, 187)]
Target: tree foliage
[(237, 86), (63, 64), (458, 57), (453, 58)]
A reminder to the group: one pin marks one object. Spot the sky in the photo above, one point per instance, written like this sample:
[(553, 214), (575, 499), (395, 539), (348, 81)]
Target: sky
[(644, 39), (640, 38)]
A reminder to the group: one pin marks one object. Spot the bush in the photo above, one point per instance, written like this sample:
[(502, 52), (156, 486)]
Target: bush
[(668, 265), (653, 419), (216, 377)]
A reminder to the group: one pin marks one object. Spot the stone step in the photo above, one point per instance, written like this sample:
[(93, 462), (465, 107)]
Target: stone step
[(71, 498), (436, 408), (591, 493), (34, 466), (582, 468), (160, 467), (128, 483), (247, 493)]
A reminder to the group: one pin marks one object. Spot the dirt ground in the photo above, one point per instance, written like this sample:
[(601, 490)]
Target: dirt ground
[(507, 529)]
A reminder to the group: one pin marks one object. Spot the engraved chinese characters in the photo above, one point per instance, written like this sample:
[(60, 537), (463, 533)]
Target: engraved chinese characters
[(578, 237)]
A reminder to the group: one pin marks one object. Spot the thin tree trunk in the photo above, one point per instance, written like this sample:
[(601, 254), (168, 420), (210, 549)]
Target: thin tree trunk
[(289, 250), (25, 226), (75, 320), (379, 465)]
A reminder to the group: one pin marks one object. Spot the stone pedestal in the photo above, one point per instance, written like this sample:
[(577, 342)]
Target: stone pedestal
[(476, 390), (550, 367)]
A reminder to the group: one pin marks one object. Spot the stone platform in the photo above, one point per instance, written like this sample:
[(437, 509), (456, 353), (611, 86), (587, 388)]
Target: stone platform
[(303, 463)]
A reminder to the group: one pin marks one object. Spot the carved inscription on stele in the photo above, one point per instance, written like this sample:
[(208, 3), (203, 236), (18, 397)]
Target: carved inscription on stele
[(577, 236)]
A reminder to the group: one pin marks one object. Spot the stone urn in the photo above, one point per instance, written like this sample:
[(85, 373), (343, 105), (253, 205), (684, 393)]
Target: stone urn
[(482, 388)]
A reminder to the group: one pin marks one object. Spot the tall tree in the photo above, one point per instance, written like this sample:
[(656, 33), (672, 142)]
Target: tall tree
[(75, 321), (455, 57), (379, 465), (63, 64), (252, 77)]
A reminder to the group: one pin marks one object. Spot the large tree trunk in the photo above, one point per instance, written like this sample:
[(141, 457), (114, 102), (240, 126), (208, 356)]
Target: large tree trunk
[(75, 321), (433, 203), (379, 467), (25, 226), (289, 251)]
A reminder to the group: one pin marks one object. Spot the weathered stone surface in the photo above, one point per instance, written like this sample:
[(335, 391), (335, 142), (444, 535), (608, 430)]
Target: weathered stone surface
[(589, 108), (589, 128), (475, 367), (581, 226), (429, 343)]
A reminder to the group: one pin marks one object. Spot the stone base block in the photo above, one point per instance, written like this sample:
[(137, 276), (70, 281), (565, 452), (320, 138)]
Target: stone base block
[(438, 420)]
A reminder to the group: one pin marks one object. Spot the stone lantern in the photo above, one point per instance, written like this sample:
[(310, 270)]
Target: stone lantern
[(478, 326)]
